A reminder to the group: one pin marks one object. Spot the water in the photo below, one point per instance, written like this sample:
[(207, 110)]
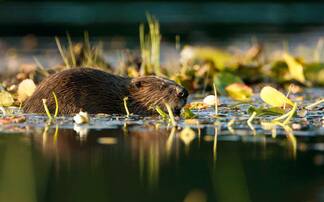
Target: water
[(135, 159)]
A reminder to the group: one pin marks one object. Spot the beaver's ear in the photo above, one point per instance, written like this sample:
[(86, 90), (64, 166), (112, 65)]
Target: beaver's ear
[(136, 84)]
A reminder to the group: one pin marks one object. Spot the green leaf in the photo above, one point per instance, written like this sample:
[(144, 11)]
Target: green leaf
[(188, 114), (224, 79), (261, 111)]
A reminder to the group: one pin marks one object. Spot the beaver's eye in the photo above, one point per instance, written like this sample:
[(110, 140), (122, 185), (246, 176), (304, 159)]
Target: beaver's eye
[(162, 86)]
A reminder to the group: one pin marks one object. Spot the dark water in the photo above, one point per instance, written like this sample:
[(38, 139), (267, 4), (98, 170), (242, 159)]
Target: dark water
[(134, 163)]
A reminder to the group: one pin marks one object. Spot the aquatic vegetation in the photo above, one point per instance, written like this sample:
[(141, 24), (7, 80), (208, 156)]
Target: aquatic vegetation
[(171, 115), (188, 114), (162, 113), (48, 113), (125, 106)]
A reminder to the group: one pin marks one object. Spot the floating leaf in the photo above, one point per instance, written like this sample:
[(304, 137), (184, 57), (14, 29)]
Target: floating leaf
[(260, 111), (6, 99), (25, 89), (295, 68), (273, 97), (239, 91), (188, 114), (196, 105)]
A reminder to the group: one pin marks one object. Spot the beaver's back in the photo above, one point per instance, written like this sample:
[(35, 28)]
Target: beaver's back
[(88, 89)]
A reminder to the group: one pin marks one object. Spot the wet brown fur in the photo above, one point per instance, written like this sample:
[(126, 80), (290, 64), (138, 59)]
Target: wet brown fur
[(96, 91)]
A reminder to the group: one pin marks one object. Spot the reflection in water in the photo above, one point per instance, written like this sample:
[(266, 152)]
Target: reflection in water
[(137, 163)]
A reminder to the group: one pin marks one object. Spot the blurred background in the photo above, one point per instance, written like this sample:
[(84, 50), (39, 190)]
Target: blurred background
[(195, 20)]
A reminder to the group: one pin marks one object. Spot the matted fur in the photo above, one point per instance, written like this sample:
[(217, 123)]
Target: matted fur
[(96, 91)]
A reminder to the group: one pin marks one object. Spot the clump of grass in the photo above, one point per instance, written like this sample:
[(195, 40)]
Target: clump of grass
[(82, 54), (150, 47)]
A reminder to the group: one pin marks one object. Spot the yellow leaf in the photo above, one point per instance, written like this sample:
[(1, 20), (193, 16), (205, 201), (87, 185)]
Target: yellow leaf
[(25, 89), (239, 91), (273, 97), (296, 70), (6, 99)]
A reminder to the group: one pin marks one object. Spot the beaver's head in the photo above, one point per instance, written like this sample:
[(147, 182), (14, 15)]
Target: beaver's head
[(148, 92)]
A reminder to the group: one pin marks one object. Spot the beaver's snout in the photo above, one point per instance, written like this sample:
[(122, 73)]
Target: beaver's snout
[(182, 94)]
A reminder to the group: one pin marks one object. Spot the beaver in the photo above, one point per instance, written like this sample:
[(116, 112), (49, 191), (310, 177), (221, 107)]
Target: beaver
[(96, 91)]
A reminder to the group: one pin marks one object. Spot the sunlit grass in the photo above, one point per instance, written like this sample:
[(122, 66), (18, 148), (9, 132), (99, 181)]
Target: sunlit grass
[(171, 115), (150, 47), (48, 113)]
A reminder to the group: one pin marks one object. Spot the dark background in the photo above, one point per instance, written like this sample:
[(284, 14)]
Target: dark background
[(120, 17)]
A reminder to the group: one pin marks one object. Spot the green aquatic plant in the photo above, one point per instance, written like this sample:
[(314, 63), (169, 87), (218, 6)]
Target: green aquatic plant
[(171, 115), (48, 113), (188, 114), (162, 113), (125, 106), (49, 116)]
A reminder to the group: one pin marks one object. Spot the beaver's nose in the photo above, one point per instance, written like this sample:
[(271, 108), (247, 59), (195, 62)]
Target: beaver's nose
[(182, 93)]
